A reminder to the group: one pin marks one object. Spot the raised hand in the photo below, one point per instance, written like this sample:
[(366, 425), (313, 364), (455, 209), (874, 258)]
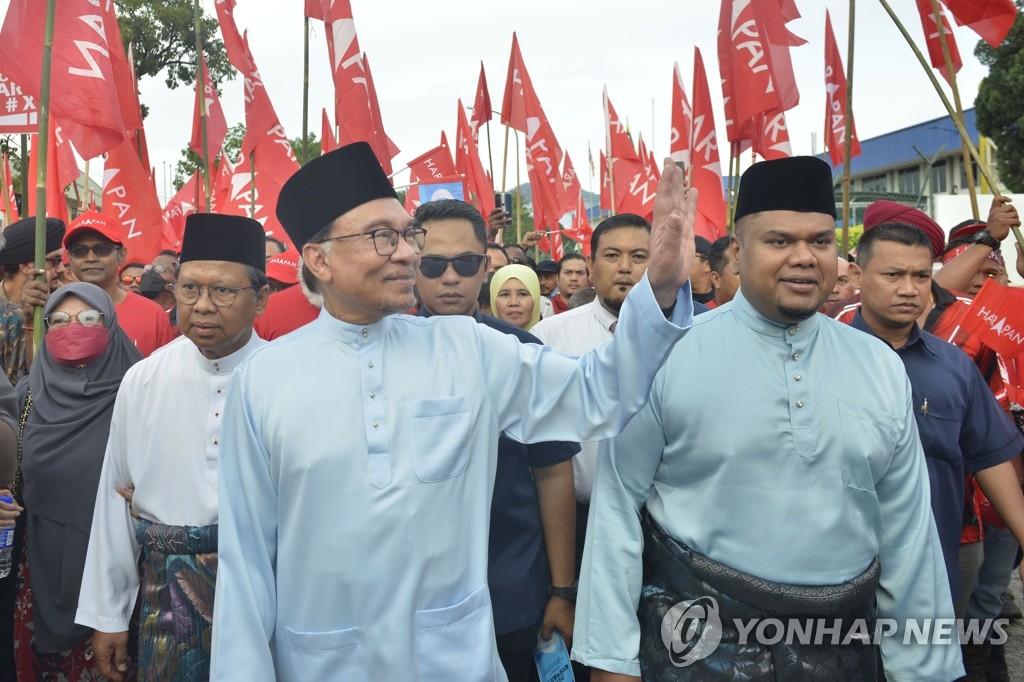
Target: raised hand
[(672, 247)]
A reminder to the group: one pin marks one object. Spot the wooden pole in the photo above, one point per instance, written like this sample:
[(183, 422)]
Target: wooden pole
[(305, 91), (949, 109), (951, 74), (24, 169), (519, 205), (734, 161), (504, 163), (43, 141), (202, 102), (490, 157), (848, 142), (7, 199), (252, 183)]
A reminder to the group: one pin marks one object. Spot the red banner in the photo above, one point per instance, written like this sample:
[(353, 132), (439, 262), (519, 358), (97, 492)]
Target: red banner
[(207, 104), (468, 164), (21, 110), (990, 19), (997, 317), (620, 145), (707, 167), (931, 34), (433, 165), (682, 121), (481, 105), (837, 123), (130, 197)]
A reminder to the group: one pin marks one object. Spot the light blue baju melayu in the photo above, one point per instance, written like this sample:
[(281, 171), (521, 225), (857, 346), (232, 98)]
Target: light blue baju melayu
[(786, 452), (356, 473)]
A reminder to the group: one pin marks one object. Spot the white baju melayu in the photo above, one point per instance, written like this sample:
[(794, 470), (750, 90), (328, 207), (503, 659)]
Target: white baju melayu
[(356, 486), (575, 332), (165, 434)]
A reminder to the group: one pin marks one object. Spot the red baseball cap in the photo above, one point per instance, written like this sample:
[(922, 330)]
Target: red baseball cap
[(284, 267), (91, 221)]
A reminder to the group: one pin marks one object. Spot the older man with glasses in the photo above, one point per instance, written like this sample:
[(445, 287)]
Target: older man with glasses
[(164, 444), (96, 252)]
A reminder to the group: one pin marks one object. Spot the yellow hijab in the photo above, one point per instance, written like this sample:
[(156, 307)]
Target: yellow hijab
[(528, 277)]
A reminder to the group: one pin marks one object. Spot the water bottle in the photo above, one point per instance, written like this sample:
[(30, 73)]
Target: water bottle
[(6, 544)]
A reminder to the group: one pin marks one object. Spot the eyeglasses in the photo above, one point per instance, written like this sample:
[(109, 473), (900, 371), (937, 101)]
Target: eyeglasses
[(86, 318), (467, 265), (222, 297), (54, 262), (385, 240), (128, 280), (101, 250)]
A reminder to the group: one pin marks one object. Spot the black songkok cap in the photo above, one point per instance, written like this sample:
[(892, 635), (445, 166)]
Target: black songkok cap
[(796, 183), (330, 186), (703, 246), (212, 236), (20, 245)]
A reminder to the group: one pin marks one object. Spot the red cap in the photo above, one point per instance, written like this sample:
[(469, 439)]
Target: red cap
[(91, 221), (284, 267)]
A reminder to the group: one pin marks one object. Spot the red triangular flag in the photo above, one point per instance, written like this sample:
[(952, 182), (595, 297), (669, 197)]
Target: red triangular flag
[(207, 103), (513, 105), (177, 209), (837, 123), (580, 231), (314, 9), (931, 34), (773, 142), (130, 197), (468, 164), (433, 165), (61, 171), (328, 143), (10, 206), (682, 121), (481, 105), (707, 168), (620, 146), (275, 163), (996, 316), (990, 19)]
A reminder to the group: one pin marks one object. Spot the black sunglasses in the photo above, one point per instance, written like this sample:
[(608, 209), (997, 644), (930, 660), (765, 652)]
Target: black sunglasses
[(468, 265)]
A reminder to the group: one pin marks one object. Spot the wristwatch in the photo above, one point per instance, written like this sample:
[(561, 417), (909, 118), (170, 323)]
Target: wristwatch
[(566, 593), (986, 238)]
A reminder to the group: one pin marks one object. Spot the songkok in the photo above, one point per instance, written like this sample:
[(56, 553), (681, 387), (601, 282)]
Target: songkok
[(883, 211), (284, 267), (330, 186), (703, 246), (20, 246), (91, 221), (796, 183), (212, 236), (966, 228)]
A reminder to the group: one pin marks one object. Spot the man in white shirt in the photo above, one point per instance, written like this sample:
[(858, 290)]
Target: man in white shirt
[(164, 442)]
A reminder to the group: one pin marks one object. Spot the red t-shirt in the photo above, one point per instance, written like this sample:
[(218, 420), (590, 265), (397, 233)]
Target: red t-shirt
[(145, 323), (286, 311)]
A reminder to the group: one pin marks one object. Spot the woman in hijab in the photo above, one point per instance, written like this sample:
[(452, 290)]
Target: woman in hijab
[(71, 386), (515, 296)]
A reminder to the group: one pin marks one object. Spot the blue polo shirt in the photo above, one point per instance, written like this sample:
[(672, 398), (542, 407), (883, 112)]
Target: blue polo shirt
[(517, 572), (961, 427)]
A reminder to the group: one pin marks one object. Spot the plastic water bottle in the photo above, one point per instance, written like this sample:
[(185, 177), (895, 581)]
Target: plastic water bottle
[(6, 544)]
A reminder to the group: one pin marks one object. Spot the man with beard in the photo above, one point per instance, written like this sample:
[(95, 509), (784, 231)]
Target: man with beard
[(780, 489)]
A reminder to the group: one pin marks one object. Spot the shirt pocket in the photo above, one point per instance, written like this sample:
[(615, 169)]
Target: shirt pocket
[(443, 431), (457, 642), (939, 428), (332, 655), (868, 439)]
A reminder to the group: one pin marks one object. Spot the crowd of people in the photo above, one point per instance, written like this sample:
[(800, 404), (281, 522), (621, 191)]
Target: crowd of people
[(404, 451)]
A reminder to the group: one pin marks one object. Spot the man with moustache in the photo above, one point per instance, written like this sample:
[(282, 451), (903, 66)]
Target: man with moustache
[(356, 482), (780, 489)]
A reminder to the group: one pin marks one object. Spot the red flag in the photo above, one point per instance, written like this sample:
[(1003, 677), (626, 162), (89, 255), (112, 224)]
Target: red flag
[(580, 231), (513, 105), (707, 168), (682, 121), (522, 110), (20, 109), (207, 104), (931, 34), (221, 181), (433, 165), (385, 148), (175, 212), (275, 163), (327, 141), (10, 207), (482, 104), (570, 183), (314, 10), (620, 146), (605, 202), (773, 142), (123, 69), (82, 77), (837, 124), (990, 19), (61, 171), (130, 196), (467, 163), (754, 61), (551, 235), (996, 316), (260, 116)]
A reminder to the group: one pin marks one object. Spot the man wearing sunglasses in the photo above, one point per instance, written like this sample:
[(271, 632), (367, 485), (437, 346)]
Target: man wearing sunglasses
[(530, 569), (360, 451), (95, 253)]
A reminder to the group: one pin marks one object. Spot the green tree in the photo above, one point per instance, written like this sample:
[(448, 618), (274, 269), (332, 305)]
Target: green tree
[(163, 37), (306, 151), (998, 104)]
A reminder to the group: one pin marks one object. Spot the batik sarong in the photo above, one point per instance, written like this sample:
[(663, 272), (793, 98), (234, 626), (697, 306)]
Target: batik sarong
[(179, 572)]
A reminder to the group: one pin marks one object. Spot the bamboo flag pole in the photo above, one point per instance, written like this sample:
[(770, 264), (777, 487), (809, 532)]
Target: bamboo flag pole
[(504, 163), (42, 141), (608, 145), (24, 168), (968, 171), (252, 184), (848, 141), (490, 157), (7, 199), (734, 170), (202, 102), (305, 91), (519, 193), (949, 109)]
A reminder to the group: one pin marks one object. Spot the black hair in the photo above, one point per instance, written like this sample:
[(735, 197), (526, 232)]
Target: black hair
[(720, 253), (901, 233), (451, 209), (568, 257), (615, 222)]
